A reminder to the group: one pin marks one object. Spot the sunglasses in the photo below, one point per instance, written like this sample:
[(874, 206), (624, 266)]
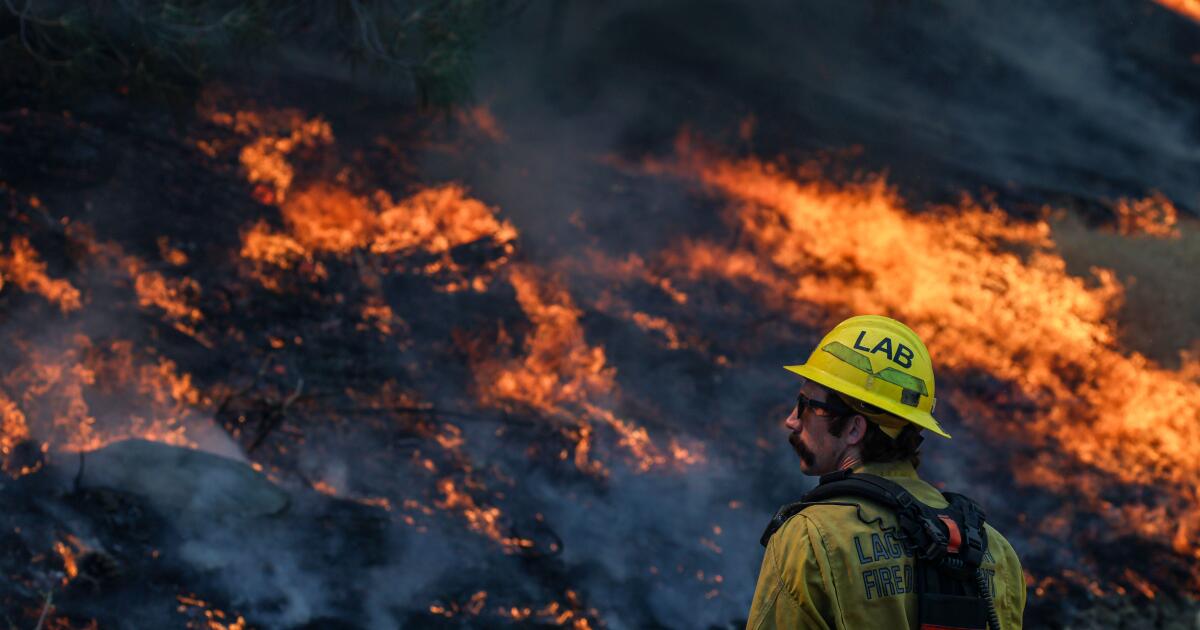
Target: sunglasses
[(827, 409)]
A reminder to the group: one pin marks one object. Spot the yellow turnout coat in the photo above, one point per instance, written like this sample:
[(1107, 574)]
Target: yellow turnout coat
[(826, 568)]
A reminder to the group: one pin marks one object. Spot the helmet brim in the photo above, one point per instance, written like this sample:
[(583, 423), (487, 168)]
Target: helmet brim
[(916, 416)]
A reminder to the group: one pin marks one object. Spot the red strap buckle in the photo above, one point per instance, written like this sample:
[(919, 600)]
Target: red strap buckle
[(955, 535)]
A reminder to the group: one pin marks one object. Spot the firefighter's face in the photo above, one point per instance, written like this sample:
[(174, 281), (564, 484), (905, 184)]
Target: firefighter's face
[(819, 450)]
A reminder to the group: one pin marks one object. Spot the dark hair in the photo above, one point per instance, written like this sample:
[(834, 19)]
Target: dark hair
[(878, 446)]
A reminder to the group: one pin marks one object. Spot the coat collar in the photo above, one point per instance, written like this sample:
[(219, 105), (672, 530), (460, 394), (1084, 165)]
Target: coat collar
[(888, 469)]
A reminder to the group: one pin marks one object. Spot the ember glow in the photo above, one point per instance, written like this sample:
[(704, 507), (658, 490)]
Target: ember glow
[(1153, 216), (481, 520), (68, 552), (202, 615), (14, 429)]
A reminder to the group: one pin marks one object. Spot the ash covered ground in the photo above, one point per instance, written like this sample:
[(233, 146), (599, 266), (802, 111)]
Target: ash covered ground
[(308, 354)]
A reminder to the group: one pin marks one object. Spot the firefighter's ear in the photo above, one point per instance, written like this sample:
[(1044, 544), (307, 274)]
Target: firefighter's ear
[(857, 430)]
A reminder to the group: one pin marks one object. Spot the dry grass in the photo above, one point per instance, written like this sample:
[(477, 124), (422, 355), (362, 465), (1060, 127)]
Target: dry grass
[(1161, 313)]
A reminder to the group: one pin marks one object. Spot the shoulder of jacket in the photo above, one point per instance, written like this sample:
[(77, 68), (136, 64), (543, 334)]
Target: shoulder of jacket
[(834, 509), (793, 532), (994, 535), (814, 519), (998, 545)]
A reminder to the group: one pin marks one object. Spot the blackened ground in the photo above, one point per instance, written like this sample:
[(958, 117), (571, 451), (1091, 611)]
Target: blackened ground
[(1080, 102)]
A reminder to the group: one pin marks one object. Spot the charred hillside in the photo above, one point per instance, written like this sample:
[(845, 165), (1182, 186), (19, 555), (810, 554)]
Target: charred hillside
[(299, 346)]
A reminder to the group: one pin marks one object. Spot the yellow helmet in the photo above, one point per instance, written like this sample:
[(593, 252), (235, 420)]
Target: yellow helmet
[(881, 362)]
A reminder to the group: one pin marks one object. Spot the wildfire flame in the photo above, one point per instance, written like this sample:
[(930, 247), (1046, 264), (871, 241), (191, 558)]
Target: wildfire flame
[(56, 381), (13, 426), (564, 377), (481, 520), (1190, 8), (67, 551), (552, 613), (273, 136), (986, 293), (55, 384), (1153, 216), (559, 375), (326, 217), (23, 267), (203, 615)]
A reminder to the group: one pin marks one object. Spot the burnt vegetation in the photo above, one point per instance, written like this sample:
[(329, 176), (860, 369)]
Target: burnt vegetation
[(380, 314)]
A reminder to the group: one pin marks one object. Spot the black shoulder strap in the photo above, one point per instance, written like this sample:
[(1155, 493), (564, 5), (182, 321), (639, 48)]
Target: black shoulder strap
[(781, 516), (832, 486), (872, 487), (948, 545), (923, 529), (974, 535)]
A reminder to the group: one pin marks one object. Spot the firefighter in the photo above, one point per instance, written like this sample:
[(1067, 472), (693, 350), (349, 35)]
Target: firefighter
[(854, 553)]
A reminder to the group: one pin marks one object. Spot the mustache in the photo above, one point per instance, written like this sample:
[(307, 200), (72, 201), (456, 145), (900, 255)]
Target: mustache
[(806, 456)]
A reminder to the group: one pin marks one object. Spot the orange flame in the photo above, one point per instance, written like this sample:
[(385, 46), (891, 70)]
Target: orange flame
[(1153, 216), (660, 325), (55, 382), (167, 294), (67, 552), (378, 315), (552, 613), (563, 376), (213, 617), (955, 275), (326, 217), (1189, 8), (329, 219), (13, 426), (24, 268), (56, 385), (324, 488), (172, 297), (481, 520), (276, 135), (328, 489), (170, 254)]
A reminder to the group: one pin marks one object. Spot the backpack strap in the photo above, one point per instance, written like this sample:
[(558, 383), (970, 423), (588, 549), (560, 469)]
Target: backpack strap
[(837, 485), (974, 536), (948, 545), (921, 530)]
